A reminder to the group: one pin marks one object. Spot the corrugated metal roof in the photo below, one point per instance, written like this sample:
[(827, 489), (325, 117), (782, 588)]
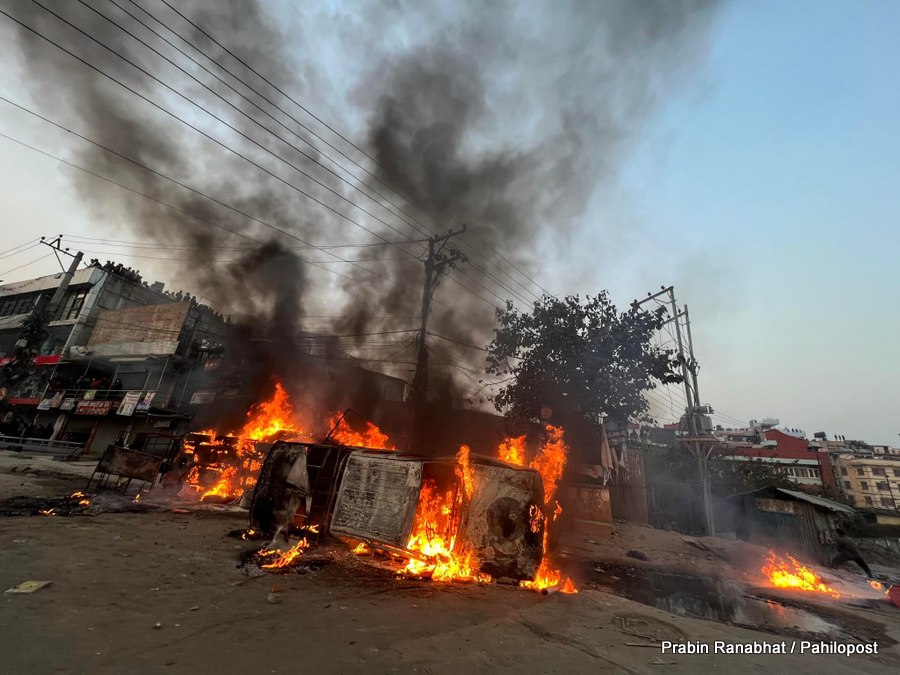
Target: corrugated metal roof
[(82, 276), (818, 501)]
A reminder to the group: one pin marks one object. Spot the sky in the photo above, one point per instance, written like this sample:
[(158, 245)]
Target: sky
[(763, 187)]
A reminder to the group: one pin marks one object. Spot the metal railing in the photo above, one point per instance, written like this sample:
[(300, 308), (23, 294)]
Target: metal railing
[(62, 450)]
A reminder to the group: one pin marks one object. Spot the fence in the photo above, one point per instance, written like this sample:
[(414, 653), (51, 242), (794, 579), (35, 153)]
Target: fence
[(62, 450)]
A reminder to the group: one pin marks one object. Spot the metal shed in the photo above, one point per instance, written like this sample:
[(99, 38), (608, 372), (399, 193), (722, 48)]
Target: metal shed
[(789, 520)]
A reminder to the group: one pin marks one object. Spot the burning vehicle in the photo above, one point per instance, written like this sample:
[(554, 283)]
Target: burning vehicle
[(466, 517), (469, 517)]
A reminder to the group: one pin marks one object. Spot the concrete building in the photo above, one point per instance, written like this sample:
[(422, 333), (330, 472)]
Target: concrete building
[(116, 359), (800, 461), (871, 479), (123, 360)]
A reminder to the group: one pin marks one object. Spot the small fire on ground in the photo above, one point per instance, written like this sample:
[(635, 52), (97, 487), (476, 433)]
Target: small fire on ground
[(786, 572)]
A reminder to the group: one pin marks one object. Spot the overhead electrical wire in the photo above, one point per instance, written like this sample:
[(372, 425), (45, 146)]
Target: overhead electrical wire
[(245, 98), (78, 58), (206, 135), (149, 197), (323, 248), (31, 262), (174, 247), (21, 248), (276, 88)]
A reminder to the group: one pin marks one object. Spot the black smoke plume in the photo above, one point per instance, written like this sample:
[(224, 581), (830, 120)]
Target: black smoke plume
[(504, 116)]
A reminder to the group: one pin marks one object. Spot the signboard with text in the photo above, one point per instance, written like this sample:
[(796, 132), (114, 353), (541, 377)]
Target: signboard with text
[(93, 407), (129, 403)]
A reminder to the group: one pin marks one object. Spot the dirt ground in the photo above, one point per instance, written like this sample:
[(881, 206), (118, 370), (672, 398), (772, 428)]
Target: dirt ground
[(160, 592)]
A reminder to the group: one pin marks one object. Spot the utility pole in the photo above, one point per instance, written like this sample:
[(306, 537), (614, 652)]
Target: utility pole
[(442, 257), (60, 293), (34, 328), (695, 425)]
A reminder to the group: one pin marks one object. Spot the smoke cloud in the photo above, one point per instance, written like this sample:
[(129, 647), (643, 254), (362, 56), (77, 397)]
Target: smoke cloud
[(502, 116)]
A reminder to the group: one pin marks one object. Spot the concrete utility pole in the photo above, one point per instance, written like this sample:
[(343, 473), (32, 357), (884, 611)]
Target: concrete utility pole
[(34, 328), (695, 425), (60, 293), (441, 258)]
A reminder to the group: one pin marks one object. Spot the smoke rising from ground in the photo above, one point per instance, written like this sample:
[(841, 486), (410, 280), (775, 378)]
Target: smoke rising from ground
[(503, 117)]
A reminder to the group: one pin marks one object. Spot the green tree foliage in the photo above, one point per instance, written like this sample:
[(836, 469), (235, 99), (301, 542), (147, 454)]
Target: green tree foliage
[(583, 358)]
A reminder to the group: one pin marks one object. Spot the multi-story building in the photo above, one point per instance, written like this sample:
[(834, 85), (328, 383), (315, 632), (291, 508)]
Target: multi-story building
[(122, 358), (114, 359), (791, 454), (870, 475)]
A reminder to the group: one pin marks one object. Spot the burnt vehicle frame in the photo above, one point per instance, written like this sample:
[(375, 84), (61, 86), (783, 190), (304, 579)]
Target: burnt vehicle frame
[(371, 495)]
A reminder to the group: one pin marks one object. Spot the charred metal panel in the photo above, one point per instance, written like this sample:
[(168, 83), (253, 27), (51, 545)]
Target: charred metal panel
[(377, 499), (503, 524), (279, 489), (119, 461)]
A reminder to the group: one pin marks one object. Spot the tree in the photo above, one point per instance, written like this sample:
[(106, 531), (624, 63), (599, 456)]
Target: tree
[(583, 359)]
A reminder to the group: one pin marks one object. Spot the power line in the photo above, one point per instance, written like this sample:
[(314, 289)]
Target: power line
[(232, 260), (150, 197), (178, 183), (413, 224), (308, 112), (458, 342), (173, 247), (47, 255), (215, 117), (244, 114), (216, 141), (21, 248)]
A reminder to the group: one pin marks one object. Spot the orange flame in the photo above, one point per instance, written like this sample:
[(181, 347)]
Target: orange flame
[(512, 450), (264, 421), (550, 463), (434, 538), (372, 437), (790, 573), (270, 417), (227, 486), (285, 558)]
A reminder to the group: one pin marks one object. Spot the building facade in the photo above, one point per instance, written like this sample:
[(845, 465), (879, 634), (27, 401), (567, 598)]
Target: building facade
[(801, 462), (114, 359), (871, 479)]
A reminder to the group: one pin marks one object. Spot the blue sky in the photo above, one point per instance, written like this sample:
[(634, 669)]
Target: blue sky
[(779, 171), (765, 188)]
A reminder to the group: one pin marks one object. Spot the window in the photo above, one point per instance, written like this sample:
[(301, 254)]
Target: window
[(815, 473), (73, 304), (882, 485), (878, 471), (888, 502), (896, 473), (847, 485), (860, 471), (863, 485), (26, 303), (868, 501), (843, 470)]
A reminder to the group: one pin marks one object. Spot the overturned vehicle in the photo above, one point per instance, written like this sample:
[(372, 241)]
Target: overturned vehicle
[(465, 516)]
